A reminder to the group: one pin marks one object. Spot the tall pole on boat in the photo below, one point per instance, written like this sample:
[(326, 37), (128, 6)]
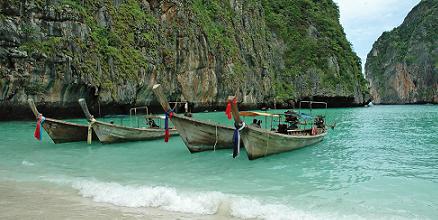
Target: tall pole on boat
[(235, 110), (33, 107), (232, 100), (85, 109), (161, 98), (90, 119)]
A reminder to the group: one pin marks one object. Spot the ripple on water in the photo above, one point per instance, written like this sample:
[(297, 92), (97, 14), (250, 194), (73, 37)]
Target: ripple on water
[(379, 162)]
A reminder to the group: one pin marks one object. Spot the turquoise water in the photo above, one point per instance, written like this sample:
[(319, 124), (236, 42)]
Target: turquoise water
[(379, 163)]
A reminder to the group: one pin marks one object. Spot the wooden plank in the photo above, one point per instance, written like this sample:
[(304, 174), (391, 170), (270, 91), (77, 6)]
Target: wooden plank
[(111, 133), (203, 136), (61, 131), (261, 143), (198, 135)]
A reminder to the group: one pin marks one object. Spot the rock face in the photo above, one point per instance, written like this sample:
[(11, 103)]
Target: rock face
[(112, 52), (403, 64)]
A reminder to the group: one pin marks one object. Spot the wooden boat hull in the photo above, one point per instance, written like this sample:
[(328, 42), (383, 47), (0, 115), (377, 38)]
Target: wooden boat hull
[(261, 143), (62, 131), (203, 136), (110, 133), (197, 135)]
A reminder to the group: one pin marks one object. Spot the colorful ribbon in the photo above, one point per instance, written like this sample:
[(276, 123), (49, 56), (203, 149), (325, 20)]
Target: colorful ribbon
[(236, 139), (168, 115), (228, 110), (40, 121), (314, 130)]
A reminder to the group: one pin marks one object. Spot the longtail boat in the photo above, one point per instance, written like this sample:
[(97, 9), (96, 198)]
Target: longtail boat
[(260, 142), (58, 130), (197, 135), (111, 133)]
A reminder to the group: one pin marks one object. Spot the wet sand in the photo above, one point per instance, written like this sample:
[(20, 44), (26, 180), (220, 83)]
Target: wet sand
[(20, 200)]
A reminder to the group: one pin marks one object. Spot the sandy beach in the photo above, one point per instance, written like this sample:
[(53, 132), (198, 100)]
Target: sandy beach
[(37, 201)]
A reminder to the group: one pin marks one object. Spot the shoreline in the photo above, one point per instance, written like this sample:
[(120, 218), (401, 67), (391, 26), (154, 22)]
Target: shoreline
[(34, 200), (24, 113), (21, 111)]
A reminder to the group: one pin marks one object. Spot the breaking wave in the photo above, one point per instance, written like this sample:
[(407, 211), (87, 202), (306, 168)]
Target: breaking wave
[(27, 163), (200, 203)]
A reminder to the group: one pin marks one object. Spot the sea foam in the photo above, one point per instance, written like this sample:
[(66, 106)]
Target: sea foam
[(166, 198), (202, 203), (27, 163), (170, 199)]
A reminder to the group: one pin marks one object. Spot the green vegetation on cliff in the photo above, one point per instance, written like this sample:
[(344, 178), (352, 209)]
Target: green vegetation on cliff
[(119, 40), (200, 50), (402, 67), (113, 49), (216, 20), (313, 36)]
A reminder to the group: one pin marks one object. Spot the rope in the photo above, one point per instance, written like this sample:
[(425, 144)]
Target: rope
[(236, 139), (214, 147), (40, 121), (267, 144), (168, 115), (90, 130)]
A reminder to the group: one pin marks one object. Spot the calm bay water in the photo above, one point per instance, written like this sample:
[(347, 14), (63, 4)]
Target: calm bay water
[(379, 163)]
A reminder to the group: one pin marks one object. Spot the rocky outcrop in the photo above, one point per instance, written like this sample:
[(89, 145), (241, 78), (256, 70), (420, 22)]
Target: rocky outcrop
[(402, 67), (112, 52)]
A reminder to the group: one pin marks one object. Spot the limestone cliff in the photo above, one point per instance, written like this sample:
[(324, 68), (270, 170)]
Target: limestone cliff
[(112, 51), (403, 64)]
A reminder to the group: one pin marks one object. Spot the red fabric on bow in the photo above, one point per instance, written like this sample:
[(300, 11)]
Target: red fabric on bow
[(228, 109), (38, 134), (166, 126)]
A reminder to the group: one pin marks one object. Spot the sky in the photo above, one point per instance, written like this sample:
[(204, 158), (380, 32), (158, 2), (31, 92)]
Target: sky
[(365, 20)]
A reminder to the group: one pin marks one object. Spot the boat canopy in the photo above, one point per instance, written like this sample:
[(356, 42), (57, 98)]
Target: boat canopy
[(154, 116), (255, 114)]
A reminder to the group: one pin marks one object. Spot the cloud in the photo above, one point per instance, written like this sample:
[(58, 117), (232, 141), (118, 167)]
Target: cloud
[(365, 9), (365, 20)]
